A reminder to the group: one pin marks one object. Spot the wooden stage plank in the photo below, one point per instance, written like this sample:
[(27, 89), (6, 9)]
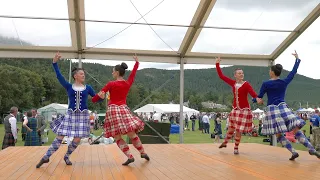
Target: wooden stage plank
[(168, 161)]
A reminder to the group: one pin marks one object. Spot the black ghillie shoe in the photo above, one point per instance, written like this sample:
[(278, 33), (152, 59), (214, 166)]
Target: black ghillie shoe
[(315, 153), (236, 151), (223, 145), (294, 156), (145, 156), (42, 161), (128, 162), (68, 162)]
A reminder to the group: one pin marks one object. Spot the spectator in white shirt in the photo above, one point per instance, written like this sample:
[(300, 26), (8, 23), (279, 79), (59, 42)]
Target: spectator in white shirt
[(206, 123), (10, 127), (156, 116)]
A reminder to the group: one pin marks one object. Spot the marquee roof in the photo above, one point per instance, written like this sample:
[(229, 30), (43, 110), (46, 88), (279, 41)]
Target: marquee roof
[(157, 30)]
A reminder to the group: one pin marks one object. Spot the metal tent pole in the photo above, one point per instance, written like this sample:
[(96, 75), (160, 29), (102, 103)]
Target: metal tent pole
[(274, 137), (181, 98), (80, 61)]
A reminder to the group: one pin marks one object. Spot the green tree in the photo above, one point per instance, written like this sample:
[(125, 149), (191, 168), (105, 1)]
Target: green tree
[(20, 88)]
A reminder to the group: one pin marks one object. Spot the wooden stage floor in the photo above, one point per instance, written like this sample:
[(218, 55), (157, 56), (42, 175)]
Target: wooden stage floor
[(168, 161)]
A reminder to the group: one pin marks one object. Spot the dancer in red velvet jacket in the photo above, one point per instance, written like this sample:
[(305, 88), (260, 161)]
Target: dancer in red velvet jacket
[(119, 119), (240, 119)]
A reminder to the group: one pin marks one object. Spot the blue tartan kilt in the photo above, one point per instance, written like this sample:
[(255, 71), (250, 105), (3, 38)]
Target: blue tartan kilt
[(73, 124), (32, 139), (280, 119)]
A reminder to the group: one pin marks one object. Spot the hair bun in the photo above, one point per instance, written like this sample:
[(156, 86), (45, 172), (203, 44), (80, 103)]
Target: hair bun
[(124, 65), (74, 69), (279, 66)]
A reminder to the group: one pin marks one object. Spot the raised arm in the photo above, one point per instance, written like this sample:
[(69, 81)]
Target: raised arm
[(220, 74), (223, 77), (289, 78), (134, 71), (61, 79)]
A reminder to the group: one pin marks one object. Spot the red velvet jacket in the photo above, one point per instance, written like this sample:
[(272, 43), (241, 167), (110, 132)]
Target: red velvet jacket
[(119, 89), (240, 95)]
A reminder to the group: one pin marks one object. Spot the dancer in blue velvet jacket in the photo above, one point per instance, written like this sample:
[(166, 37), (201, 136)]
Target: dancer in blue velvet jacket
[(76, 122), (279, 118)]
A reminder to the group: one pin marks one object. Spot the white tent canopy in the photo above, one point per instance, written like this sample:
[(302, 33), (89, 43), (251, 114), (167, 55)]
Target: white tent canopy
[(258, 111), (302, 110), (58, 108), (310, 110), (164, 108), (52, 109)]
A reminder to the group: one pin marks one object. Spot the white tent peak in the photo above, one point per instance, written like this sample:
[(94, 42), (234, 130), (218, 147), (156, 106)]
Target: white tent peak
[(258, 111), (310, 110), (56, 106), (164, 108)]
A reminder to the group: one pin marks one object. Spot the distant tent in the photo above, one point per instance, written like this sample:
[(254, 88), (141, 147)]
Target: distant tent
[(303, 110), (258, 111)]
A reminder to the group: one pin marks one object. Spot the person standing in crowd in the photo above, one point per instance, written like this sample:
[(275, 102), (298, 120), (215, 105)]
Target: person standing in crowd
[(41, 123), (314, 120), (315, 130), (206, 123), (217, 127), (193, 121), (200, 122), (32, 136), (186, 122), (10, 128), (23, 129)]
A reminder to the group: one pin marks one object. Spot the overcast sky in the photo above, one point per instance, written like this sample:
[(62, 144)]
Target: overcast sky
[(265, 14)]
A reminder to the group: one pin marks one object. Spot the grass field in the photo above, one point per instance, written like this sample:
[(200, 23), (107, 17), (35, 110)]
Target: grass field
[(189, 136)]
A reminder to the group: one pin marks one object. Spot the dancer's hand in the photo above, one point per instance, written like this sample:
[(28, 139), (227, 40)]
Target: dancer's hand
[(218, 60), (57, 57), (295, 54), (259, 100), (101, 94), (135, 57)]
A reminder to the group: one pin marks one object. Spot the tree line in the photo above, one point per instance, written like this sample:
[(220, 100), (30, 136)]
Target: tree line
[(29, 83)]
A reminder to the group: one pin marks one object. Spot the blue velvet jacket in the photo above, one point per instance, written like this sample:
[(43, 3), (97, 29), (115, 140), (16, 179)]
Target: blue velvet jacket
[(78, 100)]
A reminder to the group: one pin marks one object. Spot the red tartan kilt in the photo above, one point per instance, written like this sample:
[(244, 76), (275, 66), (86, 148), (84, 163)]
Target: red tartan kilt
[(120, 121), (241, 120)]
